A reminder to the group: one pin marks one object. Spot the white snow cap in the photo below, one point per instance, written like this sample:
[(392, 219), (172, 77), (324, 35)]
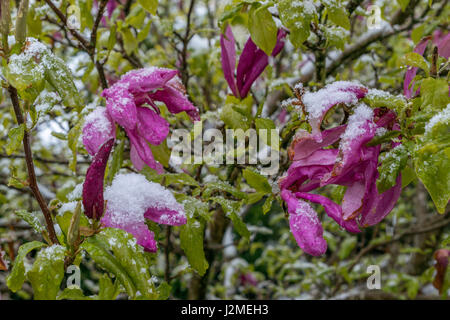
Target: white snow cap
[(131, 195)]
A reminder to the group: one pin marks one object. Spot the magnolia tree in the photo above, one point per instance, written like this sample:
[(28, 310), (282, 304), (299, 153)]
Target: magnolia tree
[(210, 149)]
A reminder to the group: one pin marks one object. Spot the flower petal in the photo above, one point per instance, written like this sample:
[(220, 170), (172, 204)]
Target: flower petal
[(166, 216), (332, 209), (121, 105), (131, 198), (152, 126), (305, 225), (143, 150), (98, 128), (93, 185), (176, 100), (228, 50), (304, 143), (139, 230), (253, 61)]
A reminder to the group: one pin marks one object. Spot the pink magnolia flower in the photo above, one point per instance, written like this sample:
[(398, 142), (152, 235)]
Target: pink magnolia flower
[(93, 184), (131, 199), (443, 44), (252, 62), (131, 103), (353, 165)]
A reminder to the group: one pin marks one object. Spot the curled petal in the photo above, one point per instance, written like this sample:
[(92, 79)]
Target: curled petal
[(332, 209), (147, 79), (138, 163), (176, 100), (121, 105), (228, 58), (98, 128), (152, 126), (166, 216), (143, 151), (93, 185), (383, 205), (304, 143), (305, 225), (139, 230), (253, 61)]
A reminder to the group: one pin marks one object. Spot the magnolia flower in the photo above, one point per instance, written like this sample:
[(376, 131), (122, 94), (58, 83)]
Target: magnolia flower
[(131, 103), (251, 64), (441, 256), (131, 199), (93, 184), (352, 164), (442, 42)]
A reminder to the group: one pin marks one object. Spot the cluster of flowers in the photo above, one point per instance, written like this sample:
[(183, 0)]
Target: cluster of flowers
[(131, 103), (353, 164)]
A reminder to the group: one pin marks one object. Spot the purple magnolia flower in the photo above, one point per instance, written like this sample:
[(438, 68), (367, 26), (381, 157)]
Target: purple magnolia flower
[(93, 185), (131, 199), (131, 103), (443, 44), (252, 62), (352, 164)]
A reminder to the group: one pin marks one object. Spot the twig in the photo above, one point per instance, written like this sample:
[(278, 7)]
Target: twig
[(30, 167)]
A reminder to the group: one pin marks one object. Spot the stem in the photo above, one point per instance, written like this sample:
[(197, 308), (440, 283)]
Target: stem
[(30, 167)]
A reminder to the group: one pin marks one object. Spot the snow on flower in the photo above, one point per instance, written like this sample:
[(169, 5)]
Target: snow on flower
[(132, 198), (352, 164), (131, 102)]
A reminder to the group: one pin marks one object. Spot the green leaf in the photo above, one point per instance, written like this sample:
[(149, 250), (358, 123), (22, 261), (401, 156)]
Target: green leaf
[(60, 77), (108, 290), (432, 159), (297, 19), (338, 14), (117, 252), (191, 241), (257, 181), (73, 293), (161, 153), (265, 124), (418, 32), (403, 4), (414, 59), (408, 176), (23, 73), (129, 40), (149, 5), (233, 118), (263, 29), (179, 178), (18, 273), (268, 204), (73, 137), (222, 187), (386, 137), (231, 209), (47, 272), (15, 139), (164, 291), (392, 163), (434, 93), (31, 219), (117, 160), (346, 247)]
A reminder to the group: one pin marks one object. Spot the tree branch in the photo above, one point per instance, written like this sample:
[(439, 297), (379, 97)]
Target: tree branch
[(30, 167)]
